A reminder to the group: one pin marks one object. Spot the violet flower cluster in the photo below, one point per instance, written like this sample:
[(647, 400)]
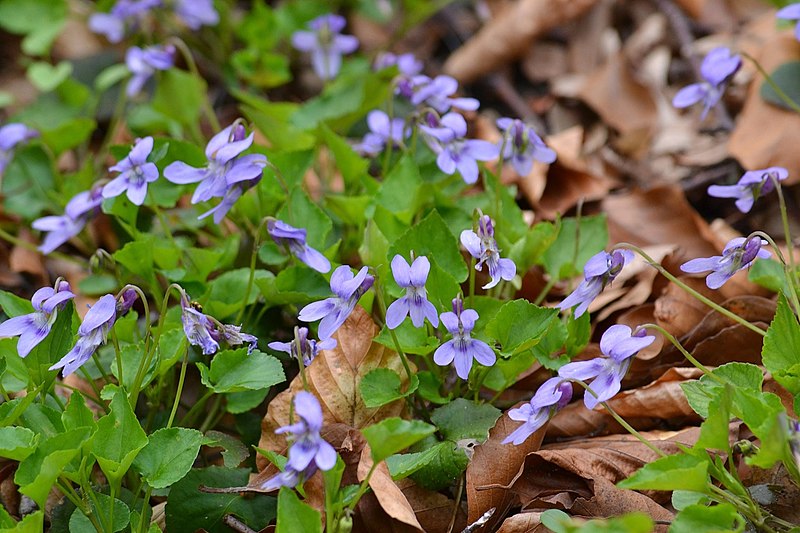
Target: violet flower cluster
[(308, 451), (135, 173), (61, 228), (13, 135), (751, 186), (34, 327), (483, 247), (326, 44), (462, 348), (737, 255), (294, 239), (128, 15), (717, 69), (207, 332), (334, 311), (599, 271), (144, 62), (227, 174)]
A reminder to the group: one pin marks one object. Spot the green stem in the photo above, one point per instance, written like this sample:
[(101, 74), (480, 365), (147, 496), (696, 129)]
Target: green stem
[(716, 307), (395, 340), (362, 489), (789, 242), (145, 504), (196, 407), (190, 62), (689, 357), (179, 391), (471, 281), (545, 290), (785, 98)]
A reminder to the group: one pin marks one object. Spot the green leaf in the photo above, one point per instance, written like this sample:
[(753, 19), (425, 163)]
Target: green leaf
[(403, 465), (720, 518), (233, 453), (769, 274), (394, 434), (17, 443), (429, 387), (295, 515), (240, 402), (715, 429), (301, 212), (236, 371), (506, 370), (272, 120), (348, 162), (560, 522), (68, 134), (400, 190), (785, 77), (432, 238), (463, 419), (47, 77), (168, 456), (781, 349), (561, 259), (137, 256), (680, 471), (77, 414), (189, 510), (412, 340), (30, 175), (80, 523), (382, 385), (32, 523), (226, 293), (742, 376), (118, 439), (179, 95), (447, 464), (528, 250), (38, 472), (519, 326), (27, 16), (296, 284), (12, 305)]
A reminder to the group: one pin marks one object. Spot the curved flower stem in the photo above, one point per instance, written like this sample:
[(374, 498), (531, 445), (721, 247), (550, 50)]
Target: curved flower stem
[(689, 357), (622, 422), (190, 62), (788, 267), (789, 242), (716, 307), (179, 391), (785, 98), (146, 306), (252, 274)]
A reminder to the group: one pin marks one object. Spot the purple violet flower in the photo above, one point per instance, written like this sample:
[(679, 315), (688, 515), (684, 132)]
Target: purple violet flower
[(136, 173), (751, 186), (11, 136), (382, 130), (307, 446), (302, 348), (144, 62), (618, 347), (207, 332), (334, 311), (522, 146), (326, 44), (738, 254), (288, 478), (791, 12), (415, 302), (124, 14), (196, 13), (435, 93), (91, 334), (407, 64), (226, 167), (446, 137), (483, 247), (462, 348), (552, 395), (295, 240), (717, 69), (234, 337), (34, 327), (232, 194), (62, 228), (599, 271)]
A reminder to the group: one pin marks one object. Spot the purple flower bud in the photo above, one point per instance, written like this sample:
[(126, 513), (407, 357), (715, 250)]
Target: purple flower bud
[(483, 247), (462, 348), (136, 173), (553, 394), (334, 311), (302, 348), (599, 271), (143, 63), (737, 255), (618, 347), (295, 240), (326, 44), (436, 93), (407, 64), (34, 327), (415, 302), (92, 332), (126, 301), (717, 69), (751, 186)]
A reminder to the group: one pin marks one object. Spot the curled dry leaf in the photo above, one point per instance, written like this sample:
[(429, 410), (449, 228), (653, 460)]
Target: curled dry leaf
[(679, 312), (389, 495), (509, 34)]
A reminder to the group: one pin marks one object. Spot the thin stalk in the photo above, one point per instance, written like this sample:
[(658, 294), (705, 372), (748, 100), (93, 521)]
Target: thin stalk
[(456, 503), (196, 407), (94, 387), (785, 98), (789, 242), (179, 391), (471, 281), (545, 290), (16, 241), (689, 357), (395, 340), (190, 62), (145, 504), (362, 489), (716, 307)]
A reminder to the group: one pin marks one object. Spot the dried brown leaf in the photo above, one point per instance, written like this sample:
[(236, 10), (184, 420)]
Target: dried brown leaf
[(523, 523), (389, 495)]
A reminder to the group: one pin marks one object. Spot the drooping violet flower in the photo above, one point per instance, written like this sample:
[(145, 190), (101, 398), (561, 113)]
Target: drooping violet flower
[(326, 44), (196, 13), (34, 327), (225, 166), (435, 93), (599, 271), (382, 130), (307, 446), (334, 311), (483, 247), (552, 395), (446, 137), (295, 240), (207, 332), (77, 213), (462, 348), (522, 146), (124, 15), (407, 64), (288, 478), (618, 346), (144, 62), (737, 255), (11, 136), (136, 173), (791, 12), (717, 69), (92, 332), (415, 302), (751, 186), (302, 348)]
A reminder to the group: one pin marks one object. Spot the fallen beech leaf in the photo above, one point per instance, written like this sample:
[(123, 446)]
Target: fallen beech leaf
[(508, 35), (677, 311), (486, 471), (391, 498), (523, 523), (333, 378)]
